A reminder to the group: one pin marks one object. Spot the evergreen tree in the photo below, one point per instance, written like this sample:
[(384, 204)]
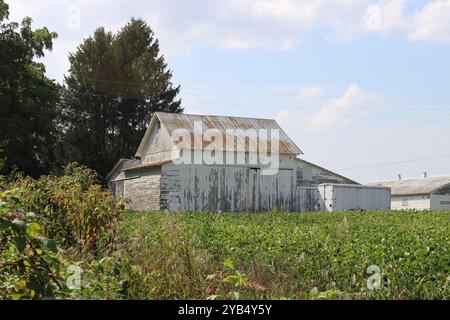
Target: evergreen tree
[(115, 84)]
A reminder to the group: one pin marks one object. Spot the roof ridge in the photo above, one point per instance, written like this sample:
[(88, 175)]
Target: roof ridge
[(413, 178), (214, 116)]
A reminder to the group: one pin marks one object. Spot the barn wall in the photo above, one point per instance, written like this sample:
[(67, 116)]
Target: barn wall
[(440, 202), (311, 175), (236, 158), (170, 187), (142, 189), (307, 199), (421, 202), (225, 188)]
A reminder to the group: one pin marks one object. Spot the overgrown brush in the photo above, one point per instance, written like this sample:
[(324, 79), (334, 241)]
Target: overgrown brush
[(55, 237), (164, 263), (73, 209), (29, 264)]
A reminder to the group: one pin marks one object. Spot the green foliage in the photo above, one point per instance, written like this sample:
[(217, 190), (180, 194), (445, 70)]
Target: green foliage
[(115, 84), (165, 264), (287, 255), (4, 10), (73, 209), (29, 263), (74, 219), (28, 98), (99, 279)]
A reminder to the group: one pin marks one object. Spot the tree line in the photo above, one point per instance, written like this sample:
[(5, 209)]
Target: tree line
[(97, 115)]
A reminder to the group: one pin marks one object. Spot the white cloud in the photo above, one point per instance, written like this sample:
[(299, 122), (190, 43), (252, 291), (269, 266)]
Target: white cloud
[(310, 92), (343, 110), (334, 112), (278, 24), (432, 23), (234, 24)]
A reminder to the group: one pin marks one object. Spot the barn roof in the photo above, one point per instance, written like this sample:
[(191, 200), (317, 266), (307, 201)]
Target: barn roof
[(147, 165), (414, 186), (324, 169), (174, 121), (122, 164)]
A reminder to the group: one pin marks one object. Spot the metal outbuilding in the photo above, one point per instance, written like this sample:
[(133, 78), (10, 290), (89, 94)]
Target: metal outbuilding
[(342, 197), (424, 193)]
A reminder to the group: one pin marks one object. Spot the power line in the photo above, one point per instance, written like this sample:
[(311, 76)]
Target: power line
[(376, 99), (364, 135), (394, 163), (323, 97), (310, 106), (315, 106)]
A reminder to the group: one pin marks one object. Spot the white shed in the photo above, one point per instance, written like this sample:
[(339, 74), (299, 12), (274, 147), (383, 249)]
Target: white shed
[(343, 197), (429, 193)]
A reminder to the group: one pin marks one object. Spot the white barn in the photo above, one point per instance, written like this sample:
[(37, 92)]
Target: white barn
[(426, 193), (155, 180)]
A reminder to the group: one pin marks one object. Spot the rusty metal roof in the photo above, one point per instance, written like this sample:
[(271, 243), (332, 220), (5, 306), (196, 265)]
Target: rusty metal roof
[(146, 165), (414, 186), (174, 121)]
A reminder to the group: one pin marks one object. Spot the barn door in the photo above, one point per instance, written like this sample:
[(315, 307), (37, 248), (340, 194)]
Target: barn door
[(253, 190), (285, 189), (118, 189)]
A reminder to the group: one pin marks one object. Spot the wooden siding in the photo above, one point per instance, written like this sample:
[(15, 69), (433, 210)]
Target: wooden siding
[(143, 191), (225, 188), (159, 146), (307, 199), (170, 188)]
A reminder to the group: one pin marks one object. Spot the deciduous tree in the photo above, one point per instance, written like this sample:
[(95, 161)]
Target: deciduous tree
[(28, 99)]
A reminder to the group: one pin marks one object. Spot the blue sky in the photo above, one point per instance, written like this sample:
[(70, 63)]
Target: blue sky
[(362, 87)]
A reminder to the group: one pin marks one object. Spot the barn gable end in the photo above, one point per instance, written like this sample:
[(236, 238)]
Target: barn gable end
[(157, 144)]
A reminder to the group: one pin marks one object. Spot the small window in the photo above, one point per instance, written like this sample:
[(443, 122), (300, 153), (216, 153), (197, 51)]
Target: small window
[(405, 203)]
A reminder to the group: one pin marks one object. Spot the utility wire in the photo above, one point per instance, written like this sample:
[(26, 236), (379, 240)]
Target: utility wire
[(193, 88), (394, 163), (316, 107), (310, 106), (364, 136)]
